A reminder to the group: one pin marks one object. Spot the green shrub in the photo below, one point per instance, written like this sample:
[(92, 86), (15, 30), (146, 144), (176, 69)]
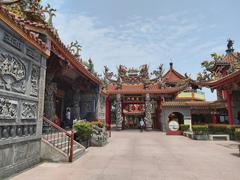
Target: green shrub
[(237, 134), (184, 127), (223, 129), (83, 130), (200, 129)]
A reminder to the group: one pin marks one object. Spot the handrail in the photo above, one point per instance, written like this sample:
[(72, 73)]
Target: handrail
[(56, 126), (59, 137)]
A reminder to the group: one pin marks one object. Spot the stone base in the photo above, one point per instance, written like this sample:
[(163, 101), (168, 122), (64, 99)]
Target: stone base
[(118, 128), (17, 157), (148, 129), (175, 133)]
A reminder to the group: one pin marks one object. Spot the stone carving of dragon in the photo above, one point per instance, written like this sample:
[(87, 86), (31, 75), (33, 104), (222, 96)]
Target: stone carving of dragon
[(75, 49)]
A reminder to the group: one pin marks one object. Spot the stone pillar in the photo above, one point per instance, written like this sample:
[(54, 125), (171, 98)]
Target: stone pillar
[(41, 99), (148, 109), (49, 103), (76, 101), (119, 118)]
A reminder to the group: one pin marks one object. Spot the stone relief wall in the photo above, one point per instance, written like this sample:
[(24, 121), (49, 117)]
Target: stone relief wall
[(20, 127)]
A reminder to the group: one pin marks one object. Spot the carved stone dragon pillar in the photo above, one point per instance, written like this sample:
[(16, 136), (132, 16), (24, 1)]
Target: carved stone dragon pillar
[(148, 109), (119, 118)]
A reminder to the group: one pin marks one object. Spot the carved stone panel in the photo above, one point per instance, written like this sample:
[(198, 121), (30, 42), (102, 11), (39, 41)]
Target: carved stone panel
[(6, 156), (35, 75), (8, 109), (32, 53), (13, 41), (12, 73), (29, 110), (20, 152)]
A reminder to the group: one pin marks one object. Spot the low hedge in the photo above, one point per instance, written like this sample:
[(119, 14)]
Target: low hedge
[(223, 129), (237, 134), (200, 129), (184, 127)]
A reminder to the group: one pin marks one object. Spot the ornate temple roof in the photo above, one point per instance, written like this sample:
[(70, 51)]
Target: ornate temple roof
[(226, 81), (222, 71), (172, 75), (139, 81), (19, 27), (36, 26)]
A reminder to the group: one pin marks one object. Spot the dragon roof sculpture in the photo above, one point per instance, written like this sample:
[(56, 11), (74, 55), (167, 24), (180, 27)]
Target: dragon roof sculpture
[(128, 78)]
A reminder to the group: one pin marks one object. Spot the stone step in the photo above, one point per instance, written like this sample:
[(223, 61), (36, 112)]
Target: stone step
[(75, 147), (78, 153)]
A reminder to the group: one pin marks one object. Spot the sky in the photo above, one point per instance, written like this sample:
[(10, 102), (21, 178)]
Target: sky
[(153, 32)]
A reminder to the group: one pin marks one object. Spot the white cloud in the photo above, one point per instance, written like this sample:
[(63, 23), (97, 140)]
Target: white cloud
[(140, 41)]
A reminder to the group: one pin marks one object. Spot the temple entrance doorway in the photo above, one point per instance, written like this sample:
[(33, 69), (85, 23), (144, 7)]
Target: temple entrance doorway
[(132, 121), (176, 116)]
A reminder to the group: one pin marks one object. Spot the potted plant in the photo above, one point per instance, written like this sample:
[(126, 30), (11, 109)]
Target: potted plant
[(83, 132)]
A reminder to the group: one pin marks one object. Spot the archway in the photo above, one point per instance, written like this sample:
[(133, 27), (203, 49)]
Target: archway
[(177, 116)]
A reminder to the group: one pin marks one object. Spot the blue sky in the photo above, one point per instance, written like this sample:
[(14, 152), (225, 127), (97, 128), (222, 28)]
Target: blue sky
[(153, 32)]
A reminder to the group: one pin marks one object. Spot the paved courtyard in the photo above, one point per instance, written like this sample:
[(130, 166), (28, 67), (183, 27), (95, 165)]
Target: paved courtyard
[(132, 155)]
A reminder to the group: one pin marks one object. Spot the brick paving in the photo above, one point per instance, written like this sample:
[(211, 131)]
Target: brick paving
[(132, 155)]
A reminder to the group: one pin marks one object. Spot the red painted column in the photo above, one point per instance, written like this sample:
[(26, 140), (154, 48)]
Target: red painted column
[(229, 107), (214, 119), (159, 102), (108, 113)]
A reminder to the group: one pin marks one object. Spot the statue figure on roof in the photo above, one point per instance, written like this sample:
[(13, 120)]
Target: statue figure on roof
[(90, 65), (144, 71), (158, 73), (108, 75), (30, 10), (51, 13), (75, 49), (122, 71), (230, 44)]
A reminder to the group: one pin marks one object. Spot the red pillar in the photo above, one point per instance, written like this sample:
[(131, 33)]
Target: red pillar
[(108, 113), (214, 119), (229, 107), (158, 115)]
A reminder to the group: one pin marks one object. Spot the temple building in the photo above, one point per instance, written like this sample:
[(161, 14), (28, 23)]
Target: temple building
[(222, 74), (156, 97), (40, 80)]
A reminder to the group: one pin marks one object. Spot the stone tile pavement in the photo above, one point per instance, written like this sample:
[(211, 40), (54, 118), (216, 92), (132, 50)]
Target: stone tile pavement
[(132, 155)]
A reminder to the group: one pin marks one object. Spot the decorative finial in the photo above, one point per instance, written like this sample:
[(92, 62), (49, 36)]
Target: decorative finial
[(230, 46), (171, 65)]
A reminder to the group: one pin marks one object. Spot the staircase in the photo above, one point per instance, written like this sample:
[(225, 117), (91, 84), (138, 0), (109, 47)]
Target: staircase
[(58, 144)]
